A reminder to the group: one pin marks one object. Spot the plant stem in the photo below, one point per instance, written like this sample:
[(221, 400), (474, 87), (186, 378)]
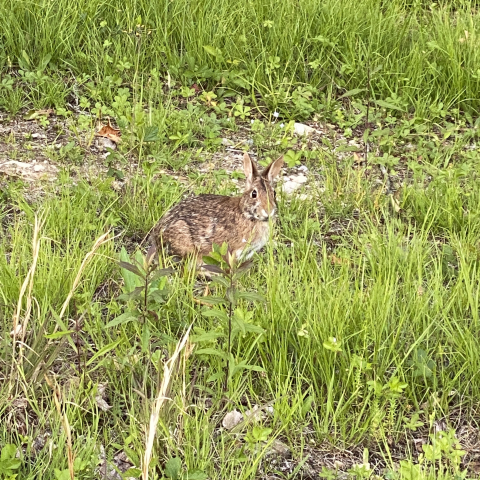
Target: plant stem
[(229, 347)]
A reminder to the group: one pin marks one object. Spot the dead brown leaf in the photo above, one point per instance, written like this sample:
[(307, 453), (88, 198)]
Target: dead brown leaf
[(109, 132), (357, 157), (338, 260)]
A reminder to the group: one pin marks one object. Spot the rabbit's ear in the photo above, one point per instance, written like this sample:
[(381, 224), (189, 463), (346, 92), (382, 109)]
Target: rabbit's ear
[(250, 169), (273, 169)]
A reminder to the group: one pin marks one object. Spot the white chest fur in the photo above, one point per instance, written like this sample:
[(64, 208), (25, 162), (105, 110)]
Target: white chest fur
[(259, 240)]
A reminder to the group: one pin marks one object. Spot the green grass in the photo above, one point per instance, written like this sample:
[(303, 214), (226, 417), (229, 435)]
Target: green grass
[(299, 56), (368, 336), (358, 334)]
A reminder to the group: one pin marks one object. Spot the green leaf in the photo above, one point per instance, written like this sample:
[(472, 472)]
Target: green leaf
[(44, 62), (151, 134), (132, 268), (220, 281), (8, 452), (260, 434), (10, 464), (354, 91), (214, 377), (121, 319), (251, 296), (206, 337), (210, 351), (249, 327), (25, 57), (31, 115), (132, 472), (131, 280), (53, 336), (254, 368), (173, 468), (131, 454), (244, 366), (348, 148), (79, 464), (145, 337), (213, 300), (137, 292), (103, 351), (214, 312), (230, 294), (162, 272), (332, 344), (244, 267), (215, 52), (375, 386), (391, 106), (61, 474), (307, 405), (209, 260), (213, 268)]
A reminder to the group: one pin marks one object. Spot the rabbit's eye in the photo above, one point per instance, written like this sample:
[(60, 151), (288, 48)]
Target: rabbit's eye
[(254, 194)]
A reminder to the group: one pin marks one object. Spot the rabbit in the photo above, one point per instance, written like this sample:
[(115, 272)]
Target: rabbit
[(196, 223)]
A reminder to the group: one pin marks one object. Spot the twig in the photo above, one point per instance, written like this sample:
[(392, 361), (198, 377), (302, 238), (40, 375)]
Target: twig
[(66, 425), (100, 241), (27, 284), (159, 401)]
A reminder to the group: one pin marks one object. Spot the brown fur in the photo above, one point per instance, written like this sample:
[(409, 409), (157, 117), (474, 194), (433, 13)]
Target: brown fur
[(194, 224)]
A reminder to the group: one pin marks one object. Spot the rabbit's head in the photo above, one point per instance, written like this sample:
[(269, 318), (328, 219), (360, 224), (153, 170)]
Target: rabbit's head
[(258, 201)]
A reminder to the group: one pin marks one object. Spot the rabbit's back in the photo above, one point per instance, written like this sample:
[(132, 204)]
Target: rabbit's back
[(196, 223)]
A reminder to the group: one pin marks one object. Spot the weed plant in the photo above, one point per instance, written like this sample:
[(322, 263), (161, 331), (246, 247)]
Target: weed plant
[(367, 334), (299, 56), (355, 337)]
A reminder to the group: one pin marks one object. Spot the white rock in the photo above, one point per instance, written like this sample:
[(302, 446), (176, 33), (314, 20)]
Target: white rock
[(302, 129), (299, 179), (279, 448), (290, 186), (28, 171), (38, 135), (231, 419), (302, 168), (104, 143), (226, 142), (255, 413)]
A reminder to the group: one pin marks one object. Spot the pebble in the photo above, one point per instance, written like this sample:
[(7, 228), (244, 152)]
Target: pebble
[(232, 419), (299, 179), (290, 186), (278, 448), (302, 168), (105, 143), (302, 129), (293, 182)]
